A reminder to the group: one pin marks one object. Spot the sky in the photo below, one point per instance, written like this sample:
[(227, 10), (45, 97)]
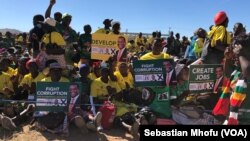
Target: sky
[(182, 16)]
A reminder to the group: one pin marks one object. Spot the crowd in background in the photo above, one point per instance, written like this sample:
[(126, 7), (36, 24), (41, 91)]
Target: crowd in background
[(54, 52)]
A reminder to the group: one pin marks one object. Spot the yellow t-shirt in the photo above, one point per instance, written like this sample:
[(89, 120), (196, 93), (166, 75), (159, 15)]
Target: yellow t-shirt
[(151, 56), (112, 33), (18, 75), (19, 39), (198, 45), (29, 80), (150, 40), (219, 33), (48, 79), (102, 31), (92, 76), (5, 82), (139, 40), (131, 48), (55, 38), (121, 80), (11, 71), (99, 88), (123, 108)]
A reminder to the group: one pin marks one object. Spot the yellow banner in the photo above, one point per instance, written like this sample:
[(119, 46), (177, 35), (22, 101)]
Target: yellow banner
[(104, 45)]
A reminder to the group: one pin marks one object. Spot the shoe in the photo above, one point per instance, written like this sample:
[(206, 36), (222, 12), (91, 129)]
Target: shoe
[(99, 129), (7, 123), (97, 121), (91, 126), (80, 123)]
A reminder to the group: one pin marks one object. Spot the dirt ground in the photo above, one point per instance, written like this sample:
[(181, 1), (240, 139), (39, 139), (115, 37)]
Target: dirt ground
[(26, 133)]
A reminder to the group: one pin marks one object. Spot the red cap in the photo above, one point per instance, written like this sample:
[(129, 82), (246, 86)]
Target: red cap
[(220, 17), (96, 64), (29, 62)]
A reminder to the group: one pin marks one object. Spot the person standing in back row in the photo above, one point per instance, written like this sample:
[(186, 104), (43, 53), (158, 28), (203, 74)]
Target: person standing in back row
[(220, 39), (106, 29)]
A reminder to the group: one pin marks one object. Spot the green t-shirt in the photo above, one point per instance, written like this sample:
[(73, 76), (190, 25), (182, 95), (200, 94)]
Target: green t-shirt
[(181, 88), (84, 38), (160, 103), (69, 35)]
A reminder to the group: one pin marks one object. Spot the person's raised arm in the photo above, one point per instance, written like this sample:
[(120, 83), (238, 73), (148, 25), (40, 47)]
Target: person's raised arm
[(48, 11)]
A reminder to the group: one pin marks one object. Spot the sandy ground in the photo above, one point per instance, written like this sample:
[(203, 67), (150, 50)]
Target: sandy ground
[(26, 133)]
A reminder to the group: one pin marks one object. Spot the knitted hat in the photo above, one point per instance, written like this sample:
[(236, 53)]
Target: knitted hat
[(220, 17)]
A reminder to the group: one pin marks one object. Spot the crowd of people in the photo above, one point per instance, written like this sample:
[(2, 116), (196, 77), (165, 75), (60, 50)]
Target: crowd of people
[(54, 52)]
